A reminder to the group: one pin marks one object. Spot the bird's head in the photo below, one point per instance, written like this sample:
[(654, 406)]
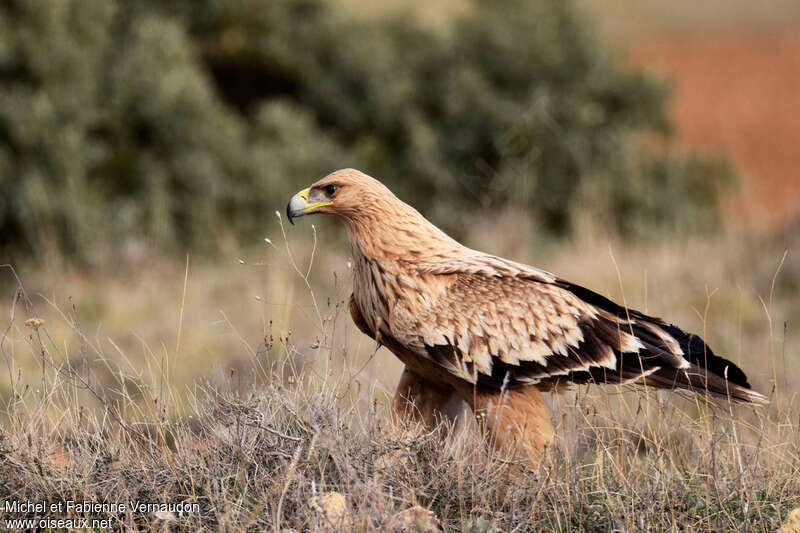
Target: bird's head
[(378, 224), (346, 193)]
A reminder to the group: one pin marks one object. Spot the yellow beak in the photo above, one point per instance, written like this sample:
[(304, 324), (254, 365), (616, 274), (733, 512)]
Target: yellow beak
[(300, 205)]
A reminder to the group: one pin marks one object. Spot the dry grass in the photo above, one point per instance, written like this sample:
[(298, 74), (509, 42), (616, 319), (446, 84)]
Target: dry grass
[(263, 461), (164, 384)]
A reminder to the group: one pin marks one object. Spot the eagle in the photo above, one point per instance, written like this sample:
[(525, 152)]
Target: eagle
[(495, 332)]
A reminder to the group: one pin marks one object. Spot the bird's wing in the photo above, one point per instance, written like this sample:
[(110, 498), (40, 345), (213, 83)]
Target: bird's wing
[(508, 324), (493, 329)]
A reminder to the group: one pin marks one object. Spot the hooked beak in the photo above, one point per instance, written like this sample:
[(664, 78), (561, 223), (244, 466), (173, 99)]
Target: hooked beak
[(300, 205)]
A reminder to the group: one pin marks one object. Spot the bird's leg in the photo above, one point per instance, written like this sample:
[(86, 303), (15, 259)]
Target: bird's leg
[(420, 400), (515, 419)]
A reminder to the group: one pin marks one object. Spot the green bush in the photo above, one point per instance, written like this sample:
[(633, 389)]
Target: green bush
[(183, 121)]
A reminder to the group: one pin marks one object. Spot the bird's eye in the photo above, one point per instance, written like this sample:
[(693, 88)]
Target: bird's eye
[(330, 190)]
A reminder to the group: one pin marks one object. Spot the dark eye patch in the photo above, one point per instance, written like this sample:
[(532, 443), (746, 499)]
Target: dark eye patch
[(330, 190)]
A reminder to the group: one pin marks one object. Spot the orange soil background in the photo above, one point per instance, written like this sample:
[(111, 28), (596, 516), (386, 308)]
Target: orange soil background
[(738, 92)]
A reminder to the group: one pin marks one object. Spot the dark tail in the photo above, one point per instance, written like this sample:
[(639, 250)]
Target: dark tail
[(708, 372)]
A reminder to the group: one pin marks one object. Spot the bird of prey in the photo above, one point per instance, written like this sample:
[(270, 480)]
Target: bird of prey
[(493, 331)]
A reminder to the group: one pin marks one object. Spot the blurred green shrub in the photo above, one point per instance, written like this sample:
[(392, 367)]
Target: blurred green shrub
[(181, 122)]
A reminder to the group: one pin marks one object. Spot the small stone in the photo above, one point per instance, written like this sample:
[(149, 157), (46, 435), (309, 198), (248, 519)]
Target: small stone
[(792, 524), (415, 519), (331, 505)]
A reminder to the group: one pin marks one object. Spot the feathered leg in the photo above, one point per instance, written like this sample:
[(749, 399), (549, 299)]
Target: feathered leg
[(517, 419), (420, 400)]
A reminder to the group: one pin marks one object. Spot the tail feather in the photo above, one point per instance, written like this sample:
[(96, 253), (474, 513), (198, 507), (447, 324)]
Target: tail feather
[(699, 380)]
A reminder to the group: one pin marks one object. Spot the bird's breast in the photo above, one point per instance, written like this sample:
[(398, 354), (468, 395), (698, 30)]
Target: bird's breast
[(373, 293)]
